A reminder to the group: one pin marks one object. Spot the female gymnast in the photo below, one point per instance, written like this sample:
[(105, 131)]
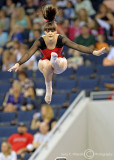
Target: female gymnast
[(51, 45)]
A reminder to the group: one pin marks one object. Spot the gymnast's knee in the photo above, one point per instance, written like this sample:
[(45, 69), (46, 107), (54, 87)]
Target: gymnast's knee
[(44, 64)]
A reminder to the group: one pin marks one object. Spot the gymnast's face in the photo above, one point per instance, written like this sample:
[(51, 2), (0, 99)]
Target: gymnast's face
[(50, 33)]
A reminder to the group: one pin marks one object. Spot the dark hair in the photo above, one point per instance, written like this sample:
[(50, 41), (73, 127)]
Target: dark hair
[(22, 72), (49, 13)]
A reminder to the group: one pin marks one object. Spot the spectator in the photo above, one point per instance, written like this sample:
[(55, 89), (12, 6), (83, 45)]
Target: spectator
[(101, 42), (6, 152), (30, 100), (109, 60), (36, 28), (62, 4), (31, 63), (110, 86), (24, 80), (16, 34), (75, 29), (105, 14), (69, 11), (30, 8), (60, 15), (40, 136), (53, 2), (13, 98), (63, 28), (9, 7), (20, 140), (14, 47), (38, 18), (3, 36), (8, 60), (95, 29), (85, 4), (83, 17), (20, 18), (76, 60), (5, 21), (46, 115), (86, 38)]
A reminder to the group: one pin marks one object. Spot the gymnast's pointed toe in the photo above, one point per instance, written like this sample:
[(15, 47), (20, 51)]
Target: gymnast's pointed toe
[(48, 99)]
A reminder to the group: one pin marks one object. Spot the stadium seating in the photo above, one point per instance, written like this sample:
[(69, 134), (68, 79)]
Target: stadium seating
[(65, 75), (96, 60), (38, 75), (106, 80), (1, 100), (4, 87), (58, 99), (40, 84), (65, 85), (7, 118), (84, 71), (105, 71), (72, 97), (6, 76), (7, 131), (25, 116), (61, 112), (87, 84)]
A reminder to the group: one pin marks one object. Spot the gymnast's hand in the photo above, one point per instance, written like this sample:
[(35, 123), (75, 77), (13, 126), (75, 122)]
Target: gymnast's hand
[(15, 67), (99, 52)]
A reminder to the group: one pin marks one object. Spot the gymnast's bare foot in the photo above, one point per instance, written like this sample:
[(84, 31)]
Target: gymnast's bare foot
[(54, 56), (48, 99)]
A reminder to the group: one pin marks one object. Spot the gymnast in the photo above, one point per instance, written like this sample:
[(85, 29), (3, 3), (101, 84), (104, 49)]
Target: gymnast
[(51, 45)]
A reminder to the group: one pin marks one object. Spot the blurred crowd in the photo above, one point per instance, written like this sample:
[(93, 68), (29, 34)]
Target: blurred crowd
[(86, 22)]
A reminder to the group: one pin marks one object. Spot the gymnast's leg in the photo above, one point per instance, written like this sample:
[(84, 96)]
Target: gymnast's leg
[(45, 67), (59, 64)]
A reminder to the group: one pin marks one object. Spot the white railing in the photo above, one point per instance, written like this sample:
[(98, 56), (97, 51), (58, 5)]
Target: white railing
[(61, 120), (101, 95)]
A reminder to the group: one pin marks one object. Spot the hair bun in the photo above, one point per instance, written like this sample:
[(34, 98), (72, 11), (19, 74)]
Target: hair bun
[(49, 12)]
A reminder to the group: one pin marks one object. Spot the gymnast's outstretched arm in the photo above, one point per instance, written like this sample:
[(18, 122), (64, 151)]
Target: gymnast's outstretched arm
[(66, 41), (26, 56), (29, 54)]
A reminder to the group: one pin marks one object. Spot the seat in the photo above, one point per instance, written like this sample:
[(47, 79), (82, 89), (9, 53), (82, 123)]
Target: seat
[(87, 84), (61, 112), (6, 76), (38, 75), (97, 60), (7, 118), (84, 71), (58, 99), (7, 131), (25, 116), (106, 80), (40, 84), (105, 70), (66, 74), (55, 111), (1, 100), (4, 87), (65, 85), (72, 97), (29, 73)]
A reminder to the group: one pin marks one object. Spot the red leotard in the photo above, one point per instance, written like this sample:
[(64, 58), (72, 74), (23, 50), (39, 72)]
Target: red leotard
[(46, 53)]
